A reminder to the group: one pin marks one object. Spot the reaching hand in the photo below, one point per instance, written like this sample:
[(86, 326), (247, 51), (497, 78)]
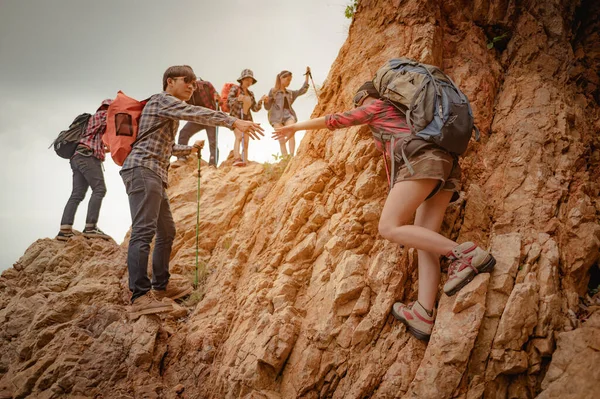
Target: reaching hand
[(253, 129), (284, 133), (307, 70)]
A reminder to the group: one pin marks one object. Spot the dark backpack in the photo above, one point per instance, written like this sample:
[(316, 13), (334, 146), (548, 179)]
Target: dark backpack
[(201, 93), (67, 140), (436, 110)]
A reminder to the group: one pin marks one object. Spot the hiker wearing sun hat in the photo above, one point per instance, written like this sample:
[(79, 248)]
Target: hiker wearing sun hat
[(241, 102)]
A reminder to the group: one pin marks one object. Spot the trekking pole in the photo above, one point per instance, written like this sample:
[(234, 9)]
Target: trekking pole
[(217, 139), (313, 83), (197, 213), (243, 146)]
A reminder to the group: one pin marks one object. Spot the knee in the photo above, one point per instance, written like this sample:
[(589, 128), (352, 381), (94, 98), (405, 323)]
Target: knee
[(78, 195), (387, 227), (167, 234), (141, 236), (100, 191), (170, 233), (384, 229)]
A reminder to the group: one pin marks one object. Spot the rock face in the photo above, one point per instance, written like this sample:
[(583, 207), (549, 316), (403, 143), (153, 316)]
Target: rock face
[(296, 284)]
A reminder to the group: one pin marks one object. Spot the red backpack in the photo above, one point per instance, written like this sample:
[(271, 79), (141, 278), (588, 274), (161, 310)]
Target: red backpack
[(122, 124), (224, 94)]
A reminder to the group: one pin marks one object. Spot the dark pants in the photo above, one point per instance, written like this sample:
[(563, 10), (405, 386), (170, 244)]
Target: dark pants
[(191, 128), (150, 215), (87, 172)]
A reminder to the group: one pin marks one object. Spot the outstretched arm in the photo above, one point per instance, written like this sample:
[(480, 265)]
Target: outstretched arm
[(286, 132)]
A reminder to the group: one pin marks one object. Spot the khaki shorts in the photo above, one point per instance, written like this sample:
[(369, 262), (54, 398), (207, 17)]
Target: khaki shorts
[(431, 163)]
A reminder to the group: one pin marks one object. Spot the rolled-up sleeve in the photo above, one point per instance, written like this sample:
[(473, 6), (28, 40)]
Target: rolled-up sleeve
[(358, 116), (270, 100), (299, 92), (256, 106), (181, 150)]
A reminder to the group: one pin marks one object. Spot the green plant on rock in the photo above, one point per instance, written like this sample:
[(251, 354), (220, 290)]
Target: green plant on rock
[(496, 39), (194, 298), (351, 9), (227, 242), (273, 171)]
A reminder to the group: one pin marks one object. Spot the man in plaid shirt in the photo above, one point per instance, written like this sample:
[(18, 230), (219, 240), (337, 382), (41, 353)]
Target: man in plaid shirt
[(205, 96), (86, 164), (145, 174)]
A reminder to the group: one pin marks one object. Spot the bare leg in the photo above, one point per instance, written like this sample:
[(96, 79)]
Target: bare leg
[(236, 144), (292, 140), (282, 146), (246, 143), (400, 206), (430, 216)]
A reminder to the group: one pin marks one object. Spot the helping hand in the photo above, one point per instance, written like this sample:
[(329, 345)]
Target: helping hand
[(284, 133), (253, 129)]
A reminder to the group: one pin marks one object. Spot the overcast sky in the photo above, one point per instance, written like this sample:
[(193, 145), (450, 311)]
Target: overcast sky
[(60, 58)]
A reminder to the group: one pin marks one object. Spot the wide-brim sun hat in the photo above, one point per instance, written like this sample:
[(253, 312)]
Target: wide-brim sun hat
[(247, 73)]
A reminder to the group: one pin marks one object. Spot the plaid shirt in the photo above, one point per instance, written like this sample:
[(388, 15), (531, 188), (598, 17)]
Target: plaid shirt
[(204, 95), (158, 126), (235, 107), (92, 138), (382, 117)]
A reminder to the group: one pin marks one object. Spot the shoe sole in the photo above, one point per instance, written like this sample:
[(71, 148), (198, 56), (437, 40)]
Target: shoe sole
[(187, 292), (86, 235), (487, 267), (136, 315), (420, 335), (63, 238)]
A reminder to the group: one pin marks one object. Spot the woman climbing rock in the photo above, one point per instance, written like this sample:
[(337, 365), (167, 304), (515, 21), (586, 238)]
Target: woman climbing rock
[(423, 189)]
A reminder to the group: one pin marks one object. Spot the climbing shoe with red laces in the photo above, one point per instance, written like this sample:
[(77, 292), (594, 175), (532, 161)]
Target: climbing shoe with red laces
[(418, 322), (468, 260)]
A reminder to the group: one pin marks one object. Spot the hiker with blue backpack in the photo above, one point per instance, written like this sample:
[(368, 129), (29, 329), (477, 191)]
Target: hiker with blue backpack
[(145, 175), (421, 122), (86, 154)]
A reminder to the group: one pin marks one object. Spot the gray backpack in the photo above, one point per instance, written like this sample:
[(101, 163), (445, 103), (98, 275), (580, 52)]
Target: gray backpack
[(435, 108), (66, 142)]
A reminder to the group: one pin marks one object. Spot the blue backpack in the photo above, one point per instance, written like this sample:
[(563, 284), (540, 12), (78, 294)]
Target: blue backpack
[(435, 108)]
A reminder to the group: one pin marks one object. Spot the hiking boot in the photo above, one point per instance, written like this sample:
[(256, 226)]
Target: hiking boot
[(238, 162), (415, 317), (468, 260), (148, 304), (64, 235), (175, 290), (95, 232)]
